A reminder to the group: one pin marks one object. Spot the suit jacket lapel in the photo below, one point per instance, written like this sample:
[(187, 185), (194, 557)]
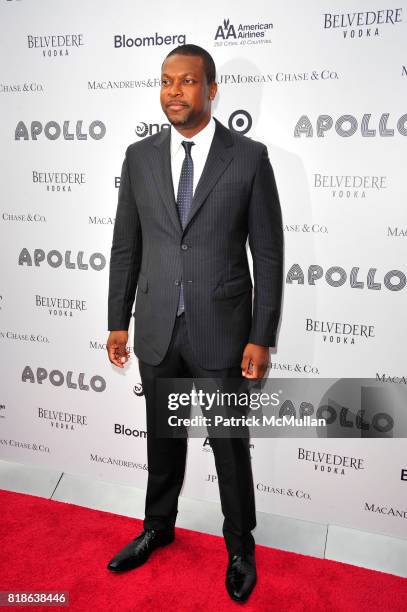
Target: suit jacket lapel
[(163, 175), (219, 157)]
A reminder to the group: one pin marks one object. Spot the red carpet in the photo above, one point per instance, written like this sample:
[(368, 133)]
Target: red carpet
[(49, 545)]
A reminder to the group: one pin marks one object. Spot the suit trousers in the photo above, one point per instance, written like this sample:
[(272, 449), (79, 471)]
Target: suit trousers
[(167, 456)]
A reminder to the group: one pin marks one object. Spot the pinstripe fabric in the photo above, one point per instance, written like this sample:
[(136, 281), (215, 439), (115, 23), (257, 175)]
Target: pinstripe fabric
[(235, 199)]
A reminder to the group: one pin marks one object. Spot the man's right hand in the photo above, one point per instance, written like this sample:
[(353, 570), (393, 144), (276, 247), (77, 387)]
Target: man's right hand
[(116, 348)]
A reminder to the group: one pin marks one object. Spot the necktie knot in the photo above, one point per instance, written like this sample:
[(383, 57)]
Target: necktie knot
[(187, 144)]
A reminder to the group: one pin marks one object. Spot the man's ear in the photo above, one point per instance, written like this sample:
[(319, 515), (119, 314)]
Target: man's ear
[(213, 88)]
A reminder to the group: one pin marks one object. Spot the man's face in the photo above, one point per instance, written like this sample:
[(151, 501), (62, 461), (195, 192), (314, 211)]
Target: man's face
[(185, 94)]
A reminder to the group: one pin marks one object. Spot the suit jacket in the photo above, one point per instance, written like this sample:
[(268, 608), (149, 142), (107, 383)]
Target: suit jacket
[(236, 198)]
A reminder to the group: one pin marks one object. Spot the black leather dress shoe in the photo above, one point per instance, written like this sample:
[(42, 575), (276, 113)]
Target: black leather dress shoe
[(138, 550), (241, 576)]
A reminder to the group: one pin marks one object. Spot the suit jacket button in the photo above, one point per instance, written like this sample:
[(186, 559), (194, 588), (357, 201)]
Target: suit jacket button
[(177, 282), (184, 246)]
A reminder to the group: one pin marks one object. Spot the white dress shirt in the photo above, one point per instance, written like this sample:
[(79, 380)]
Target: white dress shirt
[(199, 152)]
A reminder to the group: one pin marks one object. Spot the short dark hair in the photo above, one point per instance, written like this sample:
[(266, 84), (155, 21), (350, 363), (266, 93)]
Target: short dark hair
[(196, 51)]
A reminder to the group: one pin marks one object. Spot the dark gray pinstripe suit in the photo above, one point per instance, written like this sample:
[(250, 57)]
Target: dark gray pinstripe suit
[(235, 198)]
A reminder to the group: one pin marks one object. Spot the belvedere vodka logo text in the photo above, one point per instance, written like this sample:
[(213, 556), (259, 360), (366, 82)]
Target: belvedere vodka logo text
[(362, 24), (55, 45)]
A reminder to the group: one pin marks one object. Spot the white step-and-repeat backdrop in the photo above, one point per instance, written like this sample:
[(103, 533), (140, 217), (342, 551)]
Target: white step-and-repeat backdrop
[(325, 87)]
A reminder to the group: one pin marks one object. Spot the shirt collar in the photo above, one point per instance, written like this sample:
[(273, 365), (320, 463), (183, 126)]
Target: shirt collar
[(200, 139)]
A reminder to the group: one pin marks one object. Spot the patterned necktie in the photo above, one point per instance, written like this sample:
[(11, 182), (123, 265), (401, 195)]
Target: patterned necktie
[(184, 200)]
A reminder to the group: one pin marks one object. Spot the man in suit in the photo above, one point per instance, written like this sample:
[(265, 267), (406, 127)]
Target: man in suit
[(189, 198)]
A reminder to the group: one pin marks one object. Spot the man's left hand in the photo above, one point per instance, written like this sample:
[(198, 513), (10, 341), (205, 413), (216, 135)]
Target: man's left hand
[(255, 360)]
